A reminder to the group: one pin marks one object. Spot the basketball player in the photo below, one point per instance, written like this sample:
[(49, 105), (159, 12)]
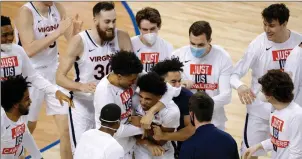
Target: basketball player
[(14, 61), (15, 102), (170, 70), (294, 68), (90, 52), (285, 122), (209, 67), (149, 47), (119, 87), (268, 51), (152, 87), (39, 25), (99, 143)]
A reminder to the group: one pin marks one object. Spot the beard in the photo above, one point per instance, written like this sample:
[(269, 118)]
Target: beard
[(23, 110), (103, 35)]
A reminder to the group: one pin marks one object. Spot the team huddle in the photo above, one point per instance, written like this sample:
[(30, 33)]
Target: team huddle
[(138, 97)]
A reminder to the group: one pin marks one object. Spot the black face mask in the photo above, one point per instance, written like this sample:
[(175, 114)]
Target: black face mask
[(192, 119)]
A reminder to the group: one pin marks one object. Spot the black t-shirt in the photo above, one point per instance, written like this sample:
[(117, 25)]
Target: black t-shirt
[(182, 102)]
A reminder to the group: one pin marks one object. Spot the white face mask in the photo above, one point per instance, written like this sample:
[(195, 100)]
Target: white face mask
[(7, 47), (262, 97), (150, 38), (177, 91)]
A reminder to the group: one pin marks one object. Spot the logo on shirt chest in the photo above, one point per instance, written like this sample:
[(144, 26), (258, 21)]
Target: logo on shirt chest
[(278, 126), (149, 60), (281, 56), (17, 135), (200, 73), (8, 65), (126, 98)]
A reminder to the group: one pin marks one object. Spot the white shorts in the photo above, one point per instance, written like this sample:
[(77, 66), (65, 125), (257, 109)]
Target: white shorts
[(141, 152), (256, 130), (79, 121), (53, 106)]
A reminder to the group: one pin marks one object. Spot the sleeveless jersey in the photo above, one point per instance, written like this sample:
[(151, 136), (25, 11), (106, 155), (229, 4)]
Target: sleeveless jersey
[(43, 26), (93, 65)]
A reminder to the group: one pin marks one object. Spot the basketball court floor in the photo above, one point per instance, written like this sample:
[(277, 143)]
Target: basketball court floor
[(234, 25)]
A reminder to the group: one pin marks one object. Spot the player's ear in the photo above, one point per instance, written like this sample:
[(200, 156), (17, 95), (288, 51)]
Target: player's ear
[(284, 24), (95, 20), (210, 40)]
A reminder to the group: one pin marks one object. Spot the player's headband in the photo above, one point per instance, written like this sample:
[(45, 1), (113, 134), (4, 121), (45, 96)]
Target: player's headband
[(110, 121)]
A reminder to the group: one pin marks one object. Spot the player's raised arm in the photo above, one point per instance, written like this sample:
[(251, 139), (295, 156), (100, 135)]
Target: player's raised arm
[(24, 24)]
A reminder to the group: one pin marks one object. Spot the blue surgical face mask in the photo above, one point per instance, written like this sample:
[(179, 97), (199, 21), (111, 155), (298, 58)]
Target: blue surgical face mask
[(198, 52)]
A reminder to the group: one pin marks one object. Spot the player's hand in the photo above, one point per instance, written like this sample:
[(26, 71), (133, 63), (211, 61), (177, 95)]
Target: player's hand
[(250, 151), (158, 134), (88, 87), (62, 97), (245, 94), (135, 120), (64, 25), (187, 83), (147, 120), (155, 149), (77, 24)]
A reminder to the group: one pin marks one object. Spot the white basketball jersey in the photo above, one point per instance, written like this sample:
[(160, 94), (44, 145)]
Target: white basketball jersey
[(42, 26), (93, 65)]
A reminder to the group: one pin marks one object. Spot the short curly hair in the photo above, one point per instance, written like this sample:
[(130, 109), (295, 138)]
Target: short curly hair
[(278, 84), (125, 63), (168, 65), (152, 83), (12, 91)]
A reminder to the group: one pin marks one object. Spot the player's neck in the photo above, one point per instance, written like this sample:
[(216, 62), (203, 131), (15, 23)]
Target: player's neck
[(198, 124), (42, 9), (111, 132), (12, 116), (279, 105), (112, 78), (284, 36)]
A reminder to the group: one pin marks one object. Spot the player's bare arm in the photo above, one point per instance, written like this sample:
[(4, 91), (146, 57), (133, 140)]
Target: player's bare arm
[(124, 40), (76, 25), (24, 24), (180, 135), (74, 51)]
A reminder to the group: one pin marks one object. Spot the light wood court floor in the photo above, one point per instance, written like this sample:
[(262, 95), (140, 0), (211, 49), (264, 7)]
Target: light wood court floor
[(234, 25)]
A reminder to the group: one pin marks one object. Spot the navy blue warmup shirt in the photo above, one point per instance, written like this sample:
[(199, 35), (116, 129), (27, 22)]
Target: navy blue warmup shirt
[(182, 102), (209, 142)]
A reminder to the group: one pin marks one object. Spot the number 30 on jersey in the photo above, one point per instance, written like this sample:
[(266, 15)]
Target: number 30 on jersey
[(102, 71)]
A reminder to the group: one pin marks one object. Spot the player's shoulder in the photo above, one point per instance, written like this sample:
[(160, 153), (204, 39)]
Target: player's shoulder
[(296, 35), (259, 41), (181, 51), (18, 49), (221, 51), (104, 85), (186, 92), (25, 11), (135, 39), (122, 34), (164, 42)]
